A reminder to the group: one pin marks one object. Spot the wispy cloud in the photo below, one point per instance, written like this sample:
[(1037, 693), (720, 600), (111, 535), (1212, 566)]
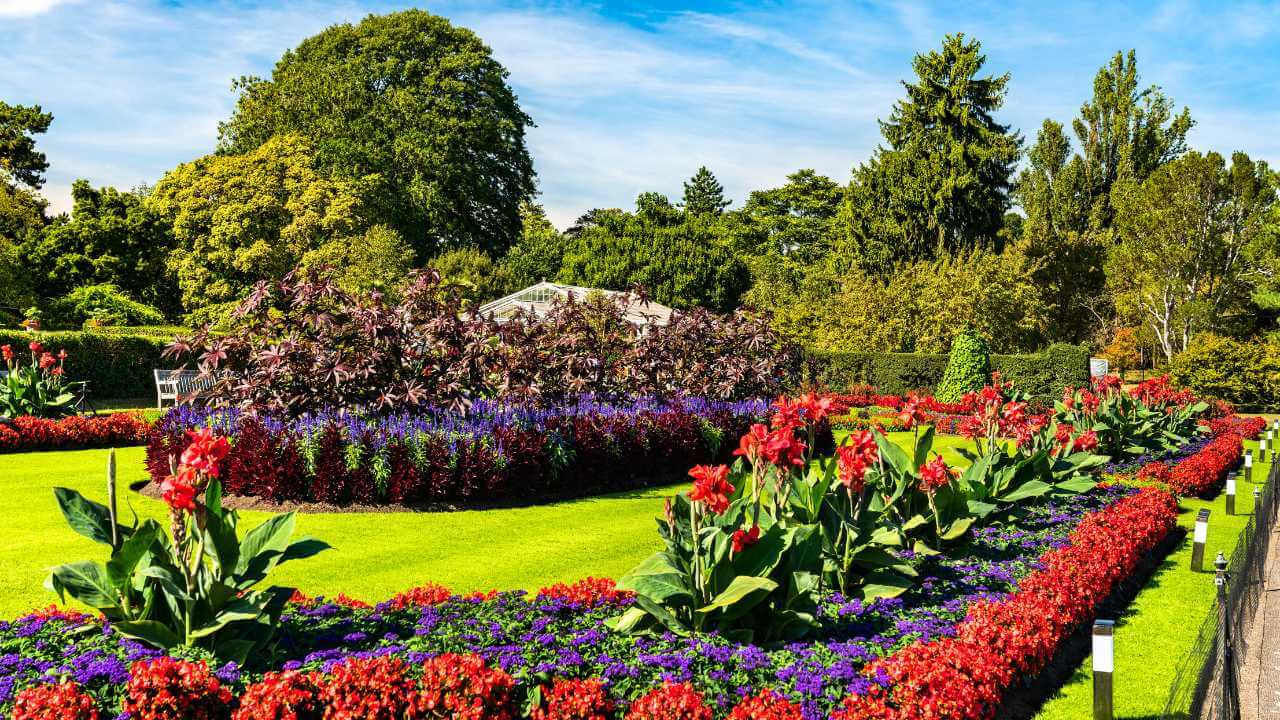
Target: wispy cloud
[(633, 99)]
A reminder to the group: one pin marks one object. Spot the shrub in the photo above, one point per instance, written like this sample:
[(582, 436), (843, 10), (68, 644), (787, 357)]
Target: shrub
[(115, 366), (968, 367), (372, 688), (37, 386), (1226, 369), (73, 433), (103, 304), (282, 696)]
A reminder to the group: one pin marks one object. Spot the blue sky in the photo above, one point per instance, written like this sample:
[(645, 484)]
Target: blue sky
[(635, 96)]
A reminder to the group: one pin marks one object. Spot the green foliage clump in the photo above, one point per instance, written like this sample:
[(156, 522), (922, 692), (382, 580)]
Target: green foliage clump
[(414, 100), (103, 304), (116, 366), (1244, 373), (968, 368)]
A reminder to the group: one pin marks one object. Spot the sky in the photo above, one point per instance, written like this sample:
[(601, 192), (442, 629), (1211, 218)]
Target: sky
[(629, 97)]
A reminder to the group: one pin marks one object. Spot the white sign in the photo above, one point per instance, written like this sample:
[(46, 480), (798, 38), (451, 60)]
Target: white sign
[(1099, 367)]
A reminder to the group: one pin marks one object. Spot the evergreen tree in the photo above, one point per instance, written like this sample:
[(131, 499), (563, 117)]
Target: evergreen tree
[(703, 194), (941, 184)]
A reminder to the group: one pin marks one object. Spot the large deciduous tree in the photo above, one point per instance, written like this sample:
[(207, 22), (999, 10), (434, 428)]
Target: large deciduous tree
[(239, 219), (414, 100), (1192, 239), (941, 182), (22, 211)]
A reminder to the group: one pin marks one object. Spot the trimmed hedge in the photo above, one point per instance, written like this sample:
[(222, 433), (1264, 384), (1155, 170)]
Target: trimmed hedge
[(116, 366), (1043, 374)]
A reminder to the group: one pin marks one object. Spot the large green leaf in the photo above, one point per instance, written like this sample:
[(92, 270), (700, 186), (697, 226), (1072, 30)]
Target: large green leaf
[(262, 548), (885, 584), (1030, 489), (123, 562), (923, 446), (87, 582), (86, 517), (236, 610), (657, 579), (743, 594), (151, 632), (303, 548), (762, 557)]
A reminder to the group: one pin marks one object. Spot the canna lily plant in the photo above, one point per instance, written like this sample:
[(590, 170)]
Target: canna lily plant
[(38, 387), (194, 585)]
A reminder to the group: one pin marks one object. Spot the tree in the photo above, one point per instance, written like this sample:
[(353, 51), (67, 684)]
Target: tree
[(1125, 132), (476, 276), (112, 238), (1191, 237), (238, 219), (942, 182), (684, 265), (380, 261), (414, 100), (703, 194), (20, 162), (796, 220), (1053, 192), (1124, 351), (655, 208), (538, 253)]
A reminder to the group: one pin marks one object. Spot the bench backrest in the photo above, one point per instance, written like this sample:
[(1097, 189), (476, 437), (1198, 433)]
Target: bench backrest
[(170, 383)]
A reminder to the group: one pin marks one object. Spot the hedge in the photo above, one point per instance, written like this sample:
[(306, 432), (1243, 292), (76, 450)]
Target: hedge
[(116, 366), (1043, 374)]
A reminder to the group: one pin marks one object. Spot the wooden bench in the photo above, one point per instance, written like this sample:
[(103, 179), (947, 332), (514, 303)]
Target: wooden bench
[(177, 384)]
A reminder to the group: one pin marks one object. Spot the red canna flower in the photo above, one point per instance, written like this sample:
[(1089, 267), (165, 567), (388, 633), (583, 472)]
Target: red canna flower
[(743, 539), (912, 413), (205, 451), (788, 413), (1087, 442), (854, 459), (783, 449), (7, 351), (750, 445), (179, 490), (35, 347), (711, 487), (816, 408), (47, 361), (935, 474)]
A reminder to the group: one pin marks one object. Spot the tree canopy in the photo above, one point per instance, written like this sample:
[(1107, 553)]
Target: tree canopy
[(414, 101), (703, 194)]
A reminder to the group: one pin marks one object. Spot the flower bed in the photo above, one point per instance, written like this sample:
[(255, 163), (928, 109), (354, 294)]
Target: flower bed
[(1201, 474), (496, 453), (26, 433), (997, 607)]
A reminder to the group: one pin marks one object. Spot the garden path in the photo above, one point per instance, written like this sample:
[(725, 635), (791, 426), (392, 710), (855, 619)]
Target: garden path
[(1260, 676)]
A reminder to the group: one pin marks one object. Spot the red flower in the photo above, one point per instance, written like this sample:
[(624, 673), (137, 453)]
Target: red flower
[(853, 459), (167, 689), (1086, 442), (783, 449), (670, 702), (282, 696), (711, 487), (743, 539), (7, 351), (373, 688), (35, 347), (64, 701), (750, 444), (1014, 413), (62, 354), (816, 408), (767, 705), (911, 412), (588, 592), (464, 687), (422, 596), (788, 414), (935, 474), (575, 700), (205, 451), (1069, 398), (47, 361), (179, 491)]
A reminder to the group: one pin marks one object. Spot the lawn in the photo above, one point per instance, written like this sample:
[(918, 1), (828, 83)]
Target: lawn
[(377, 554), (1159, 627)]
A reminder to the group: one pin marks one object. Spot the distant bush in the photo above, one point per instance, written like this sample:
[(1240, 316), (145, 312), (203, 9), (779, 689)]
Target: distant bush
[(1243, 373), (968, 367), (1043, 374), (116, 366), (104, 304)]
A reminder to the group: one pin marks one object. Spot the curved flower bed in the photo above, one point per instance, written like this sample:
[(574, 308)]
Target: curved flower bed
[(496, 453), (27, 433), (999, 606), (1198, 468)]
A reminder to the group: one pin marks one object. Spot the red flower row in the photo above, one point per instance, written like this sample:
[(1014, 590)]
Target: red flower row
[(963, 677), (71, 433), (866, 396), (1247, 428), (1201, 474), (382, 688)]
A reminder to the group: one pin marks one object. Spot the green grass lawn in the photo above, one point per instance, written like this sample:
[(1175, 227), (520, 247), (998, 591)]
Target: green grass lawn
[(377, 554), (1159, 627)]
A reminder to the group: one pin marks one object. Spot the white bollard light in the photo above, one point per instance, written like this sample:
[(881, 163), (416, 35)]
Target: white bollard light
[(1199, 537), (1231, 493), (1104, 650)]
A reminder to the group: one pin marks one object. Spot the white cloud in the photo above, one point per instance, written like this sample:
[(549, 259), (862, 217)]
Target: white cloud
[(29, 8)]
